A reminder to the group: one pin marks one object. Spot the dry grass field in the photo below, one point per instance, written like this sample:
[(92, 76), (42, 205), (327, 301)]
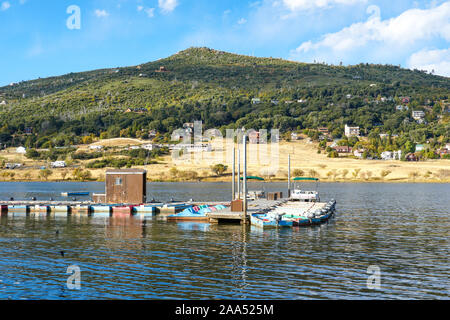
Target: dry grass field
[(305, 161)]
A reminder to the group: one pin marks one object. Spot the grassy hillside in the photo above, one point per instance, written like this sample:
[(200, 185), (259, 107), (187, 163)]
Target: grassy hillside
[(217, 87)]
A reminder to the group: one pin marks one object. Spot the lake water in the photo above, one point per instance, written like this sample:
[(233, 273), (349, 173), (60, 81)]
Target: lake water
[(403, 229)]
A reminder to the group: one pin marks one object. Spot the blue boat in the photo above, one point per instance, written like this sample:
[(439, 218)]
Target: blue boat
[(197, 213), (71, 194), (264, 220), (146, 210), (101, 211), (18, 208)]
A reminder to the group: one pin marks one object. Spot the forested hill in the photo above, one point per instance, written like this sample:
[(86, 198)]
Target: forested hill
[(218, 87)]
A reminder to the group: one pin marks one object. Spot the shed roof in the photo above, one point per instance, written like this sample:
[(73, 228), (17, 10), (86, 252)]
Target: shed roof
[(126, 171)]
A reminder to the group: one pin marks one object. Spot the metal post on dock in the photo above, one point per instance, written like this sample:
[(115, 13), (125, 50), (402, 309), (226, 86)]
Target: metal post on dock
[(233, 183), (289, 176), (239, 173), (245, 178)]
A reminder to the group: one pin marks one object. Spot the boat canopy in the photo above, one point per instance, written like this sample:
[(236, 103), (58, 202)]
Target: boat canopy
[(253, 178), (305, 179)]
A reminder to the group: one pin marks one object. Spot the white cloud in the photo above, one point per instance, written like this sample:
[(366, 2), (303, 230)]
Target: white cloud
[(101, 13), (429, 60), (5, 6), (242, 21), (295, 5), (150, 12), (140, 8), (167, 5), (398, 34)]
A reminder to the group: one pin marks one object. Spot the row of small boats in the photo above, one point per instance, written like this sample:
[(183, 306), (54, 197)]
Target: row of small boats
[(97, 210), (288, 217)]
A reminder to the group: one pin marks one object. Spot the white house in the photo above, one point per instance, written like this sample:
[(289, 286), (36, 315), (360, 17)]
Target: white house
[(387, 155), (420, 147), (96, 148), (256, 100), (358, 153), (21, 150), (351, 131), (294, 136), (149, 147), (391, 155), (417, 115), (58, 164)]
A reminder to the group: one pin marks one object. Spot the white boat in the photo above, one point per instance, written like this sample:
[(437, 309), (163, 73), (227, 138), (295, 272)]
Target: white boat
[(305, 195)]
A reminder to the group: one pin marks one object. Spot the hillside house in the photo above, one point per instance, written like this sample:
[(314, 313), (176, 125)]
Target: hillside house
[(359, 153), (256, 101), (274, 102), (411, 157), (58, 164), (352, 131), (401, 108), (12, 166), (418, 115), (162, 69), (343, 149), (391, 155), (253, 137), (405, 100), (420, 147), (442, 152), (324, 130), (96, 148), (295, 136), (150, 147), (21, 150)]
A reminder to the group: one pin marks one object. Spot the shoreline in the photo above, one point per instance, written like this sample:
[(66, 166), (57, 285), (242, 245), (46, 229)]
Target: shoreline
[(226, 180)]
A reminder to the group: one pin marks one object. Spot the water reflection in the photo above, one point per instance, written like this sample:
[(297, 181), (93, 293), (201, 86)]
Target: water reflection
[(138, 257)]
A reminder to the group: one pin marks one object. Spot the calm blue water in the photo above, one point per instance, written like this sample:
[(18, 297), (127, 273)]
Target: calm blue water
[(401, 228)]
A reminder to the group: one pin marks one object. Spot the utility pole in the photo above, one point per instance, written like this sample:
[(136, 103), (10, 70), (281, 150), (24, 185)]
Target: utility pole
[(289, 176), (245, 178), (239, 173)]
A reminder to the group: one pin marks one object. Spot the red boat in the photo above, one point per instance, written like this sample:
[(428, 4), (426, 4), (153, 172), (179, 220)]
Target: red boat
[(122, 210)]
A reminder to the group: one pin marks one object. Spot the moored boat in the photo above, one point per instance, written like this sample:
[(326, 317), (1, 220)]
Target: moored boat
[(304, 195), (60, 209), (18, 208), (146, 210), (265, 220), (196, 213), (81, 209), (101, 211), (122, 210)]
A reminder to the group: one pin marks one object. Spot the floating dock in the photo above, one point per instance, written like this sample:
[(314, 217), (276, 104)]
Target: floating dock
[(284, 207)]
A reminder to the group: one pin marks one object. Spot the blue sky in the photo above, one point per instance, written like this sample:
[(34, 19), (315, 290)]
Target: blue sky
[(36, 41)]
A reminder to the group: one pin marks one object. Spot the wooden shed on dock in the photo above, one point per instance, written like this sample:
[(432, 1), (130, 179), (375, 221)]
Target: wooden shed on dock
[(126, 186)]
